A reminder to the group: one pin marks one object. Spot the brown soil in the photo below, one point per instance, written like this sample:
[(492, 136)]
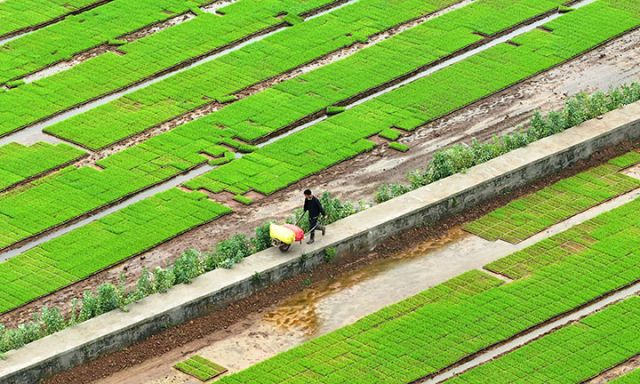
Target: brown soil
[(225, 317), (617, 371), (607, 66)]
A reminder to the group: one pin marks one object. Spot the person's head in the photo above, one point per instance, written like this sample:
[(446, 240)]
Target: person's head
[(307, 194)]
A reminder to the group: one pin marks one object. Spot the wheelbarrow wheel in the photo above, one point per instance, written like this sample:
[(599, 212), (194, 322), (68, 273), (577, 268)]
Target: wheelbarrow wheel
[(284, 247)]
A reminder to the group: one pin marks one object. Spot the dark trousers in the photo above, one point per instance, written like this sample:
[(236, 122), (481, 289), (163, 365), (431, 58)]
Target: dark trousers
[(313, 225)]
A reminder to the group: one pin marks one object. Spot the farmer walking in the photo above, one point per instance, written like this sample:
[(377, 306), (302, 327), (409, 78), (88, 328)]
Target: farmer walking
[(315, 209)]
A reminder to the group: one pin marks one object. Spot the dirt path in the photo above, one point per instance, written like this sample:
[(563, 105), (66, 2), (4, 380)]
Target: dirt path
[(607, 66)]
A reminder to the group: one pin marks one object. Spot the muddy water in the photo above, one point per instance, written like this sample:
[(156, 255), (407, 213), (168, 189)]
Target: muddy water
[(325, 307)]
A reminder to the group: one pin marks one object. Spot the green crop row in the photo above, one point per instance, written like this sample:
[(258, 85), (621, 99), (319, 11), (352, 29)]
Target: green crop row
[(19, 163), (204, 34), (77, 191), (572, 354), (390, 347), (527, 216), (17, 15), (142, 59), (632, 377), (118, 236), (200, 368), (290, 101), (343, 136), (290, 48), (600, 234), (84, 31)]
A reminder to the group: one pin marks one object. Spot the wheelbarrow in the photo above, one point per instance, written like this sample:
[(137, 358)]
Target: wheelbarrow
[(283, 236)]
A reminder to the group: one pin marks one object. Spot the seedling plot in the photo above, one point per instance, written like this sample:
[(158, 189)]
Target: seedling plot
[(18, 15), (401, 345), (525, 217), (343, 136), (19, 163), (111, 72), (231, 73), (102, 243), (603, 234), (75, 34), (200, 368), (570, 355)]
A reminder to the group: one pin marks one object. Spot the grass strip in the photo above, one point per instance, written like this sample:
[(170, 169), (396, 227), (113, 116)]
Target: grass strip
[(102, 243), (433, 336), (531, 214), (19, 163), (572, 354)]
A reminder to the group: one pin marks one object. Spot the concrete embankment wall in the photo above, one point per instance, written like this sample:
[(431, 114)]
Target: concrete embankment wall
[(360, 232)]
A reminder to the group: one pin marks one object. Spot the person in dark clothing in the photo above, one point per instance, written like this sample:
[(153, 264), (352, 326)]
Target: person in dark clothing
[(313, 206)]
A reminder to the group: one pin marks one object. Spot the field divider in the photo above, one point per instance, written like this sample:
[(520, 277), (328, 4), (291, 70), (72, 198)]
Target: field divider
[(36, 127), (424, 206)]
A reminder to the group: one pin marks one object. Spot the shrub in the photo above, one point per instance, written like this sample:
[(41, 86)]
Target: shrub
[(329, 254), (187, 267), (233, 250), (52, 320), (262, 239), (89, 306), (163, 279), (144, 286), (108, 298)]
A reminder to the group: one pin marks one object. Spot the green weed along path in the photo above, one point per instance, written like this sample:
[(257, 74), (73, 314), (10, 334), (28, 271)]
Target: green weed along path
[(526, 217), (81, 32), (16, 15), (343, 136), (432, 336), (572, 354)]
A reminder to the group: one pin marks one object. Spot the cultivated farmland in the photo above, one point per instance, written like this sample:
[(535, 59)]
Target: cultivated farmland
[(146, 146)]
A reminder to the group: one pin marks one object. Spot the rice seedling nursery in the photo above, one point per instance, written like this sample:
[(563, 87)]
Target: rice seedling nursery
[(477, 163)]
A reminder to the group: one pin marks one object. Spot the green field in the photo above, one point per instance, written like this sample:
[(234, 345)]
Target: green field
[(526, 217), (572, 354), (416, 337), (42, 190)]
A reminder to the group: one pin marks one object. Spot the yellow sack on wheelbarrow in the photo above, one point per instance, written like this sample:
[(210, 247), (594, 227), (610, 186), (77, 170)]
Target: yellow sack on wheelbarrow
[(282, 233)]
